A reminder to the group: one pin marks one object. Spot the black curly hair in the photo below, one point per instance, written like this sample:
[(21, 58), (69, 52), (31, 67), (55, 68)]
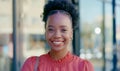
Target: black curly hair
[(62, 6)]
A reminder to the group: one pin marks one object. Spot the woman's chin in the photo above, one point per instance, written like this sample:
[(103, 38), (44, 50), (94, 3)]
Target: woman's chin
[(57, 48)]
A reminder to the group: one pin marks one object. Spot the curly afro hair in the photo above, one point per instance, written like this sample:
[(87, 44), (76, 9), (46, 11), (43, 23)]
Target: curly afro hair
[(62, 5)]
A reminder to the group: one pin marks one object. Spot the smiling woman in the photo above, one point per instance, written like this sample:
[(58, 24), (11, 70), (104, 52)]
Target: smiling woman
[(60, 19)]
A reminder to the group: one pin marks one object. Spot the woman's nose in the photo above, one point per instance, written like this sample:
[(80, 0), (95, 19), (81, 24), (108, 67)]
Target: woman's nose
[(57, 34)]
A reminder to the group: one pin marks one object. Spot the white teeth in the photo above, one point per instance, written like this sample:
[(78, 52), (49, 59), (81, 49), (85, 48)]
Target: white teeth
[(57, 43)]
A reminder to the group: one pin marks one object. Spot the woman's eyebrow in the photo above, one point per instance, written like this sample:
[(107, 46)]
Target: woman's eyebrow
[(63, 26), (50, 26)]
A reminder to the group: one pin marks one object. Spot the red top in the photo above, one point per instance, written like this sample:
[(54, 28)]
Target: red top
[(69, 63)]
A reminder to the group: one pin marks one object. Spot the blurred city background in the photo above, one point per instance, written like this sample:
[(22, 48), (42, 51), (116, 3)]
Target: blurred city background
[(97, 38)]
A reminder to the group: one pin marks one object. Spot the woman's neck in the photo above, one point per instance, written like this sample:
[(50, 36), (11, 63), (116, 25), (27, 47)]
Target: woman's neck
[(56, 55)]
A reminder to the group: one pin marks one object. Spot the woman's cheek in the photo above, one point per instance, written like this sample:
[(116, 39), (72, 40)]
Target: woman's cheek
[(49, 35)]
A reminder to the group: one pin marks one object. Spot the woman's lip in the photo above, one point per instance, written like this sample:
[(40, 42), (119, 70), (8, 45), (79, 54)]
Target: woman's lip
[(57, 42)]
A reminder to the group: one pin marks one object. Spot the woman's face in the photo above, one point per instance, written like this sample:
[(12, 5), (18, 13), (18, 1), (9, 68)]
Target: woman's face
[(59, 31)]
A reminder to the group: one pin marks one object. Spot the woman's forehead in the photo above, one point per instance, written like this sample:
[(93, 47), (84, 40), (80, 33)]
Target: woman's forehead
[(60, 20), (58, 17)]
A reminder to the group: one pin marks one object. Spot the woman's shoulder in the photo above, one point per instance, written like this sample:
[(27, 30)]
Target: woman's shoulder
[(31, 59), (30, 62), (83, 64), (86, 65)]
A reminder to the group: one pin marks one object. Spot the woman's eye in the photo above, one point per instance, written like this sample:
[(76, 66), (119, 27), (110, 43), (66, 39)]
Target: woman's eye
[(50, 29), (64, 30)]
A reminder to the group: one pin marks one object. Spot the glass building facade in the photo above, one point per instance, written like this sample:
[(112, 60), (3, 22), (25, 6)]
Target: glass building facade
[(22, 33)]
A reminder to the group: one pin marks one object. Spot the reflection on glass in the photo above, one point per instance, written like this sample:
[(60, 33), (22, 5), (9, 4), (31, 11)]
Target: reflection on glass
[(91, 34), (97, 30), (5, 35), (34, 43), (5, 52)]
